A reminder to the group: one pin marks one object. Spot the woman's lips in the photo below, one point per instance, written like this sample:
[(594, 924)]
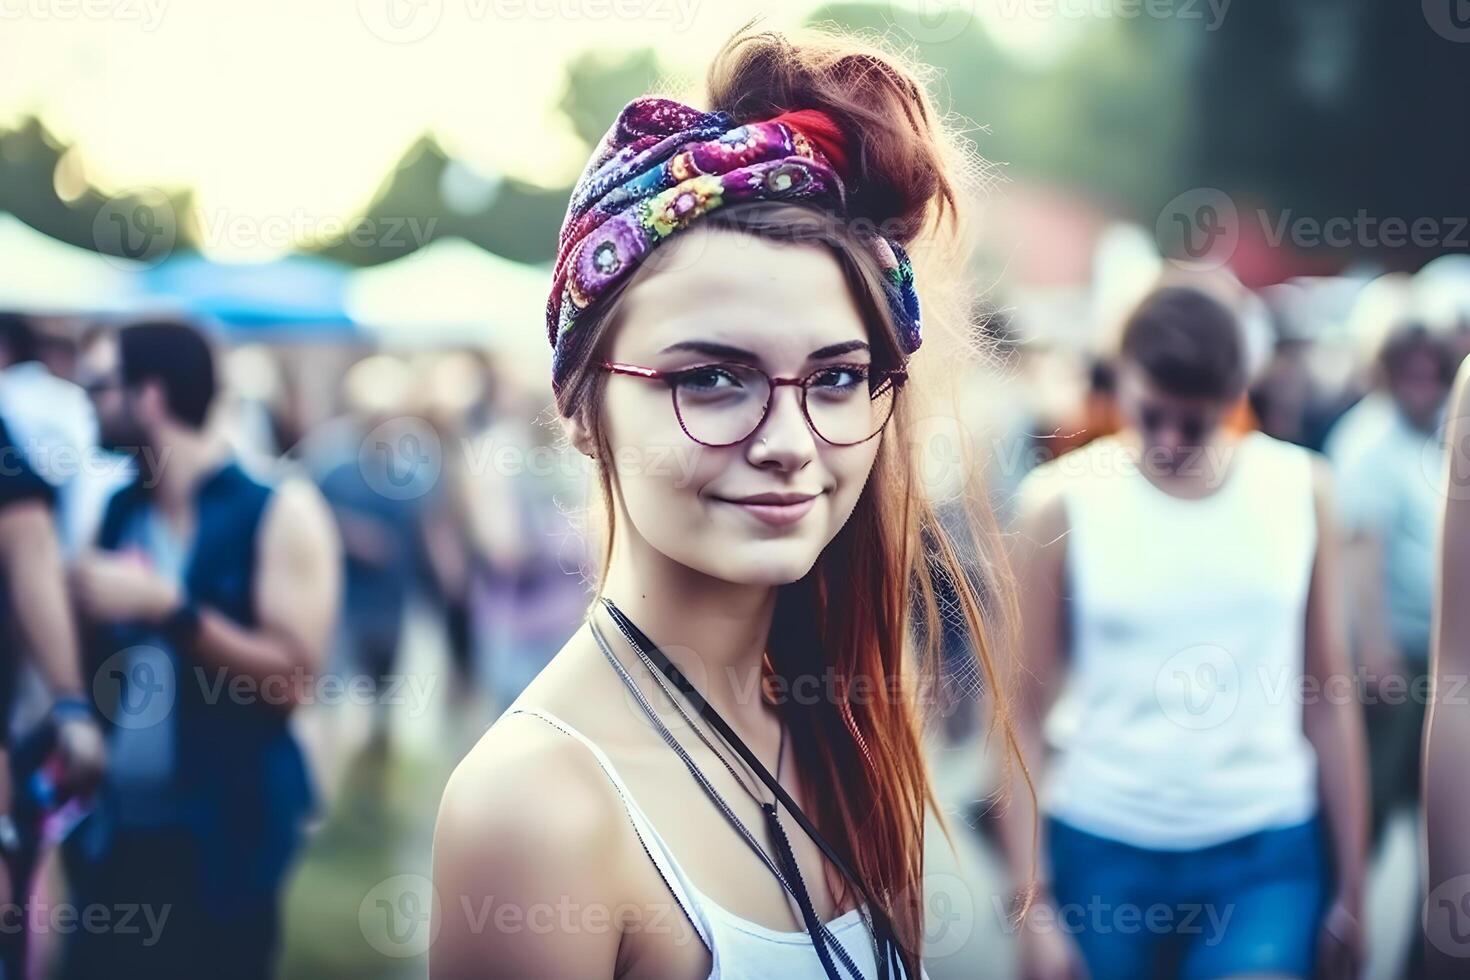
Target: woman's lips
[(774, 514)]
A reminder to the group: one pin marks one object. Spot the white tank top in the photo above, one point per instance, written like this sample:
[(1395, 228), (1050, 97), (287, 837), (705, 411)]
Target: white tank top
[(1182, 723), (739, 949)]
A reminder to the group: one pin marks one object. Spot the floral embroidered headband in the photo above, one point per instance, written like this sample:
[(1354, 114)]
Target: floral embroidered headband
[(662, 165)]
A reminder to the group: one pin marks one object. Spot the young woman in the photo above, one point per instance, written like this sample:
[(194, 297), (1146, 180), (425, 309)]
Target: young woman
[(720, 774), (1206, 808)]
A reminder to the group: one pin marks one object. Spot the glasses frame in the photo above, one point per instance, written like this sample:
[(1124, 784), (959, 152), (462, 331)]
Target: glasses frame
[(891, 377)]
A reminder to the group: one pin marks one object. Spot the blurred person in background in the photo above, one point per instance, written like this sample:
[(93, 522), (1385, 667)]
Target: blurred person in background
[(52, 421), (35, 619), (376, 467), (528, 587), (1390, 506), (1382, 306), (246, 416), (460, 390), (1179, 584), (210, 598), (1446, 793)]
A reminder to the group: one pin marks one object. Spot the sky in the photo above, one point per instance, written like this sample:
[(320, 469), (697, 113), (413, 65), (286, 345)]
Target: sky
[(293, 111)]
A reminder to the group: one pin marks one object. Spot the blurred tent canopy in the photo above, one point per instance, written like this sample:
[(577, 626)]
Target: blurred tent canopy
[(295, 296), (452, 292), (47, 276)]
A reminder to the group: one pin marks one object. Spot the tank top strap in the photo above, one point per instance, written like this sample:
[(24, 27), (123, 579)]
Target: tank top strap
[(683, 890)]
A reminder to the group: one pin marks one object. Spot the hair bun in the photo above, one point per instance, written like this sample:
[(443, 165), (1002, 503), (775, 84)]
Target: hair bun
[(895, 149)]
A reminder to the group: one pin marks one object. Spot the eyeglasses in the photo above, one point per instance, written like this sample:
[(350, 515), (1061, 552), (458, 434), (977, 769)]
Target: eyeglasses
[(722, 404)]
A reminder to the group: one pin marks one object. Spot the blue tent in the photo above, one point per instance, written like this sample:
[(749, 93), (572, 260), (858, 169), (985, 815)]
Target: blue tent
[(297, 295)]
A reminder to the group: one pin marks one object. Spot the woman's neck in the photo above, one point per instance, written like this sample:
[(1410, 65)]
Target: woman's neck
[(714, 631)]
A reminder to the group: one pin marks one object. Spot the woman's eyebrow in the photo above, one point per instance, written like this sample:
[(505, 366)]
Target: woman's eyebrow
[(837, 350), (741, 354), (712, 349)]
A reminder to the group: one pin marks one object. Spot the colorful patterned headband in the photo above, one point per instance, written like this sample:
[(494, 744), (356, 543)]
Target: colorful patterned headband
[(664, 164)]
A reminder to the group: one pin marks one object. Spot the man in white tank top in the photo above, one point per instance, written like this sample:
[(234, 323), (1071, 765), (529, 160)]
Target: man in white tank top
[(1204, 807)]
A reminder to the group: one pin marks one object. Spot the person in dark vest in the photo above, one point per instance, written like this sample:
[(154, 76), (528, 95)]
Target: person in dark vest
[(210, 598)]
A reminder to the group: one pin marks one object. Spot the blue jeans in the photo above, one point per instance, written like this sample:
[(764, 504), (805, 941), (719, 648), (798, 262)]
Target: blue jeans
[(1249, 905)]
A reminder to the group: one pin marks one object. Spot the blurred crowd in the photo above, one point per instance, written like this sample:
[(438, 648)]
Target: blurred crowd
[(323, 494)]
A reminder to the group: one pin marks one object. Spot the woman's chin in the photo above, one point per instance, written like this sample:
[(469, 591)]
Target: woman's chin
[(765, 562)]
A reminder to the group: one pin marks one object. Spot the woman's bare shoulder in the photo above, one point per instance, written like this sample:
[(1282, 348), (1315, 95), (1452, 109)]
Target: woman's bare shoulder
[(528, 825), (527, 775)]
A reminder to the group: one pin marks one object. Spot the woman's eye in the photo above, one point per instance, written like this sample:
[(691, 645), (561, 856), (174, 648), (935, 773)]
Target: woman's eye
[(838, 378), (707, 378)]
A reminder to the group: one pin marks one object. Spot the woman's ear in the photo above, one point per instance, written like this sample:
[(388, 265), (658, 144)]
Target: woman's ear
[(579, 434)]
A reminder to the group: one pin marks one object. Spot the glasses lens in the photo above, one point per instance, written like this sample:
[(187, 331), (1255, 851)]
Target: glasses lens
[(847, 404), (721, 404)]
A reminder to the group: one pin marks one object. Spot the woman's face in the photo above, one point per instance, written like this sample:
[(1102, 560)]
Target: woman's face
[(717, 296)]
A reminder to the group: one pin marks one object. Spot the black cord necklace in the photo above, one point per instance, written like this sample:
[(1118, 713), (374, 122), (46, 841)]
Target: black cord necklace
[(887, 948)]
